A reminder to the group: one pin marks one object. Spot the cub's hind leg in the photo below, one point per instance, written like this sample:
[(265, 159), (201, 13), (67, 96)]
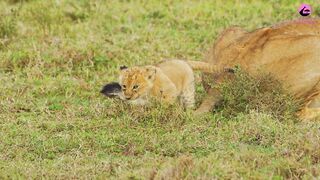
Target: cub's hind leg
[(187, 96)]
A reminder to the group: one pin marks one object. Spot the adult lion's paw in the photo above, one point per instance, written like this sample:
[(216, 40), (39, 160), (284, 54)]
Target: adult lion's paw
[(309, 114)]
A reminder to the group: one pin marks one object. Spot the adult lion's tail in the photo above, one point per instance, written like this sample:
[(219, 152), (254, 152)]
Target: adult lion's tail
[(208, 68)]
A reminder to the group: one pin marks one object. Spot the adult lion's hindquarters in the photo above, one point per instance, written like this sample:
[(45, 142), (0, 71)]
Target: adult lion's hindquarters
[(289, 51)]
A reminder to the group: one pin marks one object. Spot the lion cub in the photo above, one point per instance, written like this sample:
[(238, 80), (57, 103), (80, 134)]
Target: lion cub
[(166, 81)]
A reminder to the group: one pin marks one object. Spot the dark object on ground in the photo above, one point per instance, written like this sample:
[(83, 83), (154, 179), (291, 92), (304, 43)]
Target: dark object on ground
[(111, 90)]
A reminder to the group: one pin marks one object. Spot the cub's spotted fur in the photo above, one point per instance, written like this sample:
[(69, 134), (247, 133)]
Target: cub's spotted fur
[(166, 81)]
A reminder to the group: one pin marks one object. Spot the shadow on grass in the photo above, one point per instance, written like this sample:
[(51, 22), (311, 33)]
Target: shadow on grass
[(263, 94)]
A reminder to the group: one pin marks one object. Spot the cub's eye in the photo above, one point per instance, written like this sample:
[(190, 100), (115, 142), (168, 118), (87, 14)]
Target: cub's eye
[(135, 87), (123, 86)]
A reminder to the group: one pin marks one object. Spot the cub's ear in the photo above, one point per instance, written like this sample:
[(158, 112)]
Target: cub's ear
[(151, 72), (123, 67)]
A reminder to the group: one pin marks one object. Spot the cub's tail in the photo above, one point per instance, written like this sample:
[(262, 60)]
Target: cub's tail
[(208, 68)]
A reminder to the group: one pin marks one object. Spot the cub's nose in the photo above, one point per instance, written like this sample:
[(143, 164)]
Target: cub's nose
[(128, 98)]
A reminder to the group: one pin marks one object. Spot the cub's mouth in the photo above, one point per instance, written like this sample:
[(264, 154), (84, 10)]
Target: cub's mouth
[(131, 98)]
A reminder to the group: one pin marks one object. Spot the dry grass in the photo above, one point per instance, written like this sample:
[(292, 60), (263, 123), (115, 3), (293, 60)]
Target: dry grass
[(262, 93)]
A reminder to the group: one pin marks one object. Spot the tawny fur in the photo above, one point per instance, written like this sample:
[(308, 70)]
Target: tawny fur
[(166, 81), (208, 68), (289, 51)]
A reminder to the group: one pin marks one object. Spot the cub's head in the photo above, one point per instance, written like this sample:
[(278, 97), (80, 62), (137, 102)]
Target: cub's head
[(136, 82)]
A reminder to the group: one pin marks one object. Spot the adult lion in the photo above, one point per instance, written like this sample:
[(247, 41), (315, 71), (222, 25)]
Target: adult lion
[(290, 51)]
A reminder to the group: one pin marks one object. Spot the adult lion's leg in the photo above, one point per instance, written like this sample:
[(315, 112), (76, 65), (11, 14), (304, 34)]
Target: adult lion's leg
[(213, 97), (213, 94), (312, 110)]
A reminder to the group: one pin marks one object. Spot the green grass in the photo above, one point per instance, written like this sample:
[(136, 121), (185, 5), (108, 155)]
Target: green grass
[(56, 55)]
